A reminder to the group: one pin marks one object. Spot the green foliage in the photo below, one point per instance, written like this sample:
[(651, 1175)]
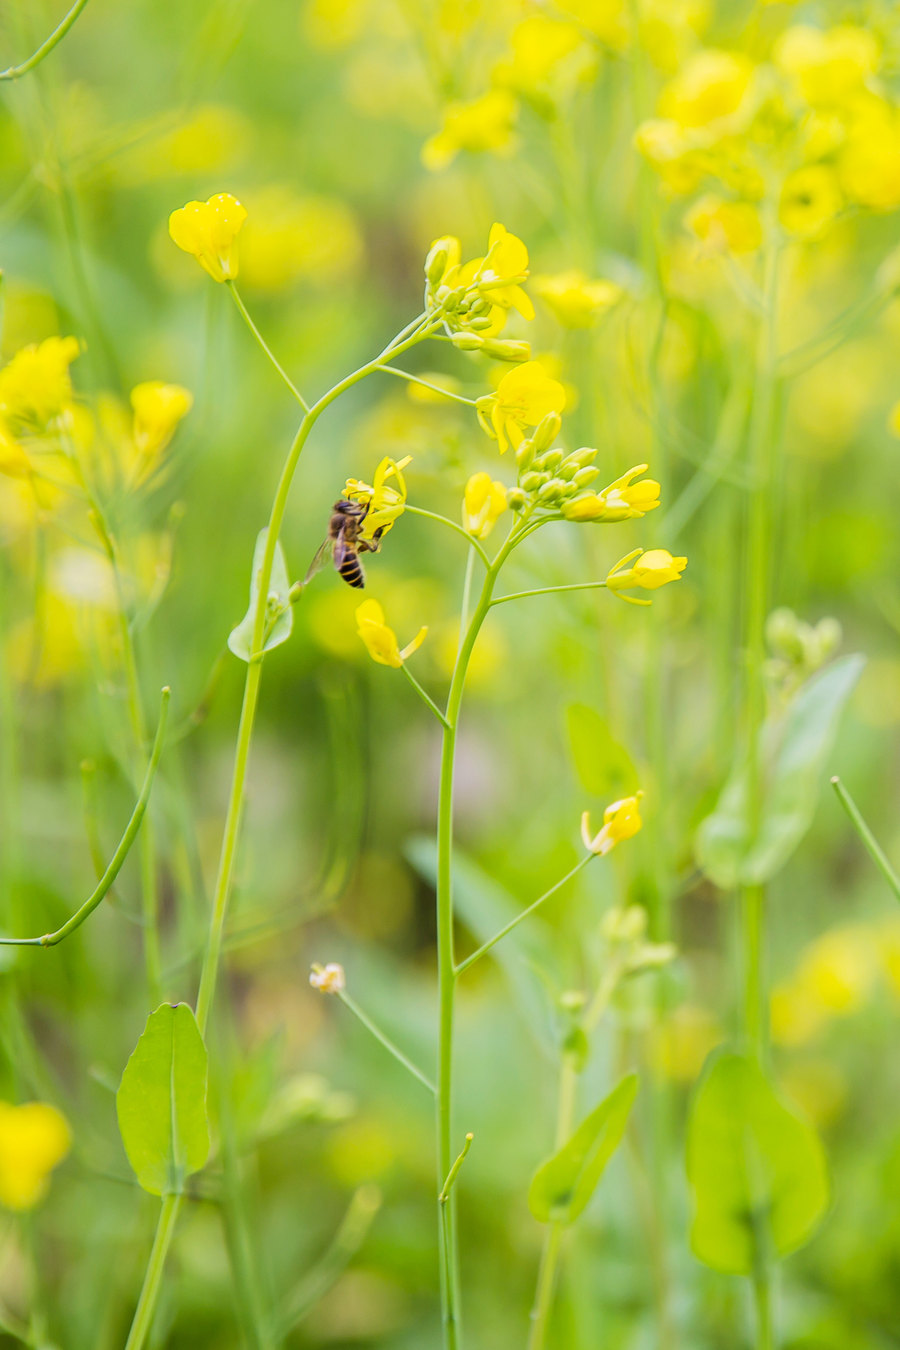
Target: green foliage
[(757, 1171), (794, 751), (241, 637), (604, 767), (161, 1101), (562, 1186)]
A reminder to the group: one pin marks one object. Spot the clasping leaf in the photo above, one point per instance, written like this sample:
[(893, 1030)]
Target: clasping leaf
[(240, 639)]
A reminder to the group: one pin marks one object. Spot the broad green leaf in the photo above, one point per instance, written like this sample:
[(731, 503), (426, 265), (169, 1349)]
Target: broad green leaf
[(161, 1101), (757, 1171), (563, 1185), (241, 638), (603, 766), (528, 956), (794, 752)]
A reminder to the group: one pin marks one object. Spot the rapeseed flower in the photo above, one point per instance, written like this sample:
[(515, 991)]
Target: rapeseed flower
[(622, 500), (482, 124), (386, 498), (158, 408), (648, 571), (380, 640), (810, 200), (574, 300), (711, 86), (34, 1138), (547, 56), (621, 820), (524, 397), (725, 226), (36, 387), (827, 66), (209, 231), (484, 502)]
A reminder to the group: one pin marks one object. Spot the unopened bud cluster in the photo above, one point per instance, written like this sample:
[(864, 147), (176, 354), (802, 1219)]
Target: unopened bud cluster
[(625, 930), (798, 649), (548, 476)]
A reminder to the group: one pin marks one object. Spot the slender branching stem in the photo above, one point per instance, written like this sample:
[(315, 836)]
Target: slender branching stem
[(267, 350), (428, 384), (146, 1307), (550, 590), (426, 699), (46, 47), (874, 849), (384, 1040), (452, 525)]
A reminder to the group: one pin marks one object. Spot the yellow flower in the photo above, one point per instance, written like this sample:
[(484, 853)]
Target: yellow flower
[(651, 570), (524, 397), (725, 227), (575, 301), (663, 144), (483, 124), (484, 502), (606, 19), (810, 200), (35, 387), (542, 51), (158, 408), (621, 820), (827, 66), (710, 86), (386, 500), (381, 641), (328, 979), (290, 237), (483, 288), (209, 231), (622, 500), (34, 1138), (869, 164)]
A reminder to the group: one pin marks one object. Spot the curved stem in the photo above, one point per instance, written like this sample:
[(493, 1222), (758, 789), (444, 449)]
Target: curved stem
[(13, 72), (427, 384), (388, 1044), (451, 524), (551, 590), (426, 699), (115, 866), (874, 849), (143, 1316), (267, 350)]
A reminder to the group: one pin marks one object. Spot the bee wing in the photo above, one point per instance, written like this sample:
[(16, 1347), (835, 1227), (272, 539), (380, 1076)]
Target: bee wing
[(318, 562)]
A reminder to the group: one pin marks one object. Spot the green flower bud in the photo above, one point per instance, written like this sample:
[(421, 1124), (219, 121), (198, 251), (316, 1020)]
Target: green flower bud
[(467, 342), (516, 499), (546, 432), (484, 321), (624, 925), (532, 482), (552, 491), (436, 261), (585, 475), (525, 455), (553, 459), (507, 349), (581, 457)]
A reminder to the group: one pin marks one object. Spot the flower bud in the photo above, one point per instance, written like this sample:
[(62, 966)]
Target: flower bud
[(552, 460), (552, 491), (531, 482), (525, 455), (624, 925), (516, 499), (467, 342), (507, 349), (479, 324), (436, 261), (328, 979), (585, 475), (546, 431), (581, 457)]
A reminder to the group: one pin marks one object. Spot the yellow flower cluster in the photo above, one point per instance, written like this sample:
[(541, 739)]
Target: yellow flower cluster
[(475, 298), (36, 387), (386, 496)]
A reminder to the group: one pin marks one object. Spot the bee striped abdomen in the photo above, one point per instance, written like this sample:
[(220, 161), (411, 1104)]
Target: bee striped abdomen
[(351, 571)]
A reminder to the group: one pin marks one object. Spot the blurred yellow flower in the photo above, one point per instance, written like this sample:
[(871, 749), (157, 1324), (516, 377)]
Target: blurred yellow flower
[(710, 86), (622, 500), (158, 408), (209, 231), (35, 386), (835, 975), (542, 51), (681, 1043), (380, 640), (34, 1138), (483, 124), (648, 571), (291, 238), (810, 200), (664, 144), (484, 502), (608, 20), (13, 460), (524, 397), (574, 300), (386, 499), (827, 66), (725, 226), (869, 164), (621, 820)]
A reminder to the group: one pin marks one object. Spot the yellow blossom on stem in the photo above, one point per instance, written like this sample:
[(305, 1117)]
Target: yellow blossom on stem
[(209, 231), (810, 200), (483, 503), (524, 397), (482, 124), (648, 571), (34, 1138), (574, 300), (380, 640), (710, 86), (830, 65), (724, 226), (158, 408), (328, 979), (622, 500), (621, 820), (387, 499), (35, 386), (869, 164)]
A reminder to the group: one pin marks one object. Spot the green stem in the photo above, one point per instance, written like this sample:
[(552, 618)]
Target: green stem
[(454, 1170), (551, 590), (874, 849), (13, 72), (427, 384), (445, 520), (513, 923), (429, 702), (115, 866), (384, 1040), (762, 1293), (319, 1279), (546, 1281), (146, 1307), (222, 893), (267, 350)]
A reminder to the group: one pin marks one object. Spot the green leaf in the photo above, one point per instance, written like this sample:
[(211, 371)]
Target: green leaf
[(161, 1101), (794, 752), (240, 639), (603, 766), (563, 1185), (757, 1171)]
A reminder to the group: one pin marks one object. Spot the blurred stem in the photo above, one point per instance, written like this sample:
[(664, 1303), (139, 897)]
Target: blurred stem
[(13, 72), (384, 1040), (874, 849), (428, 701), (445, 520), (267, 350), (347, 1241), (546, 1281), (427, 384), (143, 1316)]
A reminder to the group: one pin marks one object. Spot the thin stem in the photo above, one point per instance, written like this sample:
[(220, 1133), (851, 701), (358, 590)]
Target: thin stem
[(267, 350), (445, 520), (454, 1170), (874, 849), (514, 923), (551, 590), (347, 1240), (427, 384), (59, 32), (143, 1316), (762, 1296), (115, 866), (384, 1040), (546, 1281), (429, 702), (467, 594)]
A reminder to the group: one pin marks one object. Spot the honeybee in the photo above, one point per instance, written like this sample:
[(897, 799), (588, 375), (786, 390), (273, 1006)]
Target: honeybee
[(345, 544)]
